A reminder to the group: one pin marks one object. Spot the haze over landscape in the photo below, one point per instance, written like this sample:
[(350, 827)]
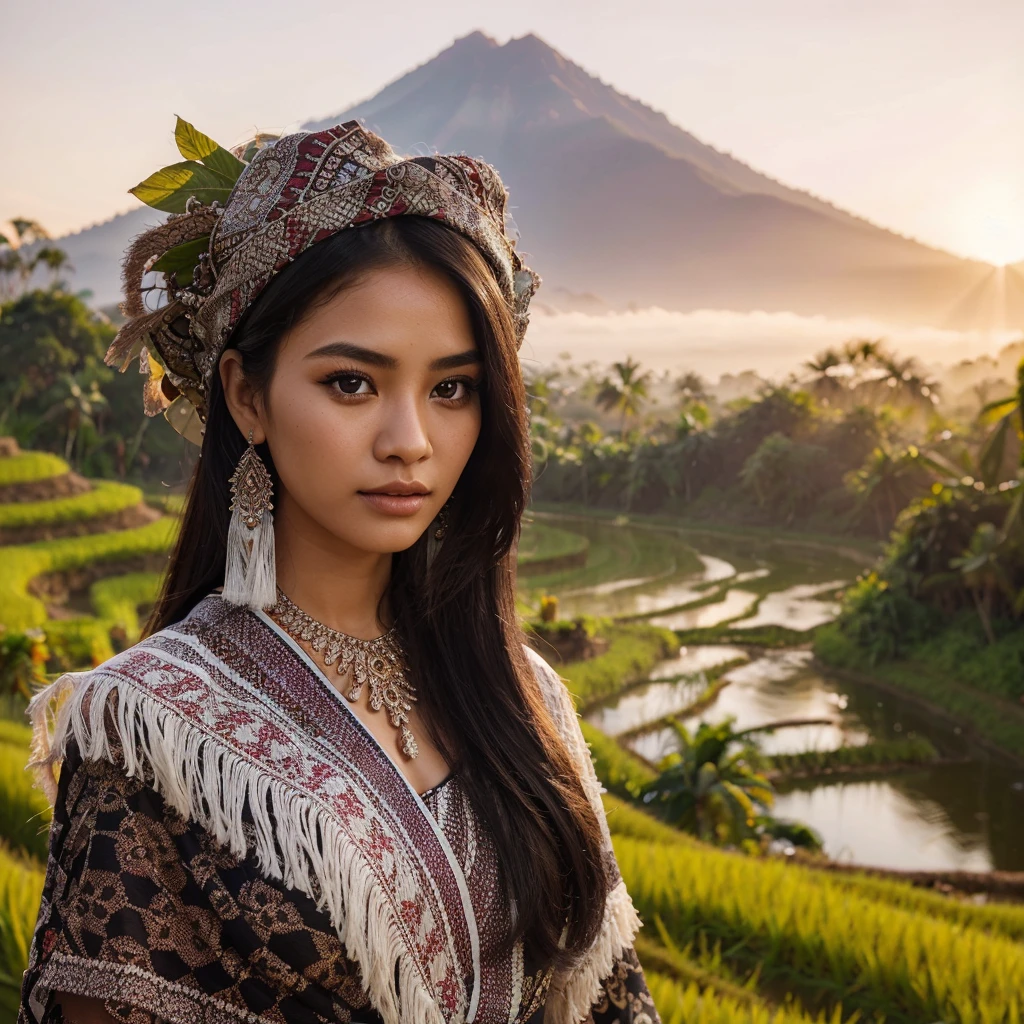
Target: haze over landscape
[(649, 238)]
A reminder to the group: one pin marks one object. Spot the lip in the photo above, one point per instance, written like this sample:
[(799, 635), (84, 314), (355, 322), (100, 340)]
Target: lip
[(402, 487), (397, 499)]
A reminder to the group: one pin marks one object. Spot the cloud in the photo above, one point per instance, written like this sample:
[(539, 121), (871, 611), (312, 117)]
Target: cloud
[(714, 342)]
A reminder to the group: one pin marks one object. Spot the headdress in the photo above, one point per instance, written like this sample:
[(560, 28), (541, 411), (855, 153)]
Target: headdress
[(237, 218)]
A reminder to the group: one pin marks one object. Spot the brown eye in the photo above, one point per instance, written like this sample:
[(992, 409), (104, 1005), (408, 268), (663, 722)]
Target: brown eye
[(448, 389), (349, 384)]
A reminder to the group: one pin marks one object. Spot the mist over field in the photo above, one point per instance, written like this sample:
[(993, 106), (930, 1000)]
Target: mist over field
[(712, 342)]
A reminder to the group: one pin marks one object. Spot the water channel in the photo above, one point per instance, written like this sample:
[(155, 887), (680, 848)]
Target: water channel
[(967, 815)]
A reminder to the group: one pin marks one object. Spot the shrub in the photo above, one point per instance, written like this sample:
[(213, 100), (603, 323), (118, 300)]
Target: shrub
[(633, 651), (884, 621)]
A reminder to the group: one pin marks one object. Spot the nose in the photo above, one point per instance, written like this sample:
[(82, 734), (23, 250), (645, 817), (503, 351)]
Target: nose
[(402, 433)]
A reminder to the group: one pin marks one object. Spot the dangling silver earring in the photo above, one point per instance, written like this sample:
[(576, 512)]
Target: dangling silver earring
[(250, 577), (435, 534)]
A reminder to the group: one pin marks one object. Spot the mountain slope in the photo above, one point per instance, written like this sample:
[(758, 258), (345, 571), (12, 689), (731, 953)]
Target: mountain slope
[(617, 206), (612, 198)]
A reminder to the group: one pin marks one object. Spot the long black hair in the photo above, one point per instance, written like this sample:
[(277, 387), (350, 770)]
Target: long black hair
[(456, 616)]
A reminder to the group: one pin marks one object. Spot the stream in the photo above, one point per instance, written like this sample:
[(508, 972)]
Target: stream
[(967, 815)]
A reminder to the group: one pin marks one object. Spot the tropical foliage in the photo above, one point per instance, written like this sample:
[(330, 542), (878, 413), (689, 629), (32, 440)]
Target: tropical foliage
[(711, 787), (56, 393)]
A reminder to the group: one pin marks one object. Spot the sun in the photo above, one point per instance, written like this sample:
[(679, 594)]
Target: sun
[(989, 220)]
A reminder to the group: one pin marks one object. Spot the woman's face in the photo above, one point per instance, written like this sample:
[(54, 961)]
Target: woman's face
[(372, 411)]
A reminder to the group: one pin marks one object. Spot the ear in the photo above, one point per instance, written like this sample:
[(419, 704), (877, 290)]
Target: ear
[(242, 402)]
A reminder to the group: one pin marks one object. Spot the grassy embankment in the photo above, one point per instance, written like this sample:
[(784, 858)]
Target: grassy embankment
[(960, 691)]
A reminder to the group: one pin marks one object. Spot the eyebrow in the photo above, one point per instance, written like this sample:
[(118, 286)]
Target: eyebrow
[(385, 362)]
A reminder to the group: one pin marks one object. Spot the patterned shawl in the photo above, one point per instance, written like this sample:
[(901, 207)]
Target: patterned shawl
[(229, 719)]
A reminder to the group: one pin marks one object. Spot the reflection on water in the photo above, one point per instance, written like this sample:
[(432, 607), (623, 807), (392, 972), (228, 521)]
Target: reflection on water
[(652, 702), (611, 587), (641, 596), (697, 658), (781, 685), (659, 699), (736, 603), (797, 607), (964, 816), (967, 815), (878, 824)]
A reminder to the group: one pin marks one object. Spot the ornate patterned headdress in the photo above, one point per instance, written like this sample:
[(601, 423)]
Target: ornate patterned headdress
[(237, 218)]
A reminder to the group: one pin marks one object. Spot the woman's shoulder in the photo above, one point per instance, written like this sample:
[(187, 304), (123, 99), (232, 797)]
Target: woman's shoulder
[(551, 684), (557, 698), (108, 711)]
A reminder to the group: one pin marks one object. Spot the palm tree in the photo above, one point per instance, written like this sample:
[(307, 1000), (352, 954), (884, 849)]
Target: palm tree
[(13, 262), (80, 408), (10, 267), (903, 380), (1007, 414), (625, 392), (864, 351), (692, 387), (707, 791), (826, 375)]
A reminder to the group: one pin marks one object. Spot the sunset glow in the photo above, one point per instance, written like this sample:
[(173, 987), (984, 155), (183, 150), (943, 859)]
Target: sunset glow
[(990, 221)]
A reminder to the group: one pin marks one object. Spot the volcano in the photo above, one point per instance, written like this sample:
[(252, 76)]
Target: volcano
[(618, 208)]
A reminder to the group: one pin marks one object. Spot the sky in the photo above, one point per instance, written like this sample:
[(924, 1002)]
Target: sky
[(907, 112)]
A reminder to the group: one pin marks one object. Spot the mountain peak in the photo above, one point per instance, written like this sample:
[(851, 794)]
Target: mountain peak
[(475, 40)]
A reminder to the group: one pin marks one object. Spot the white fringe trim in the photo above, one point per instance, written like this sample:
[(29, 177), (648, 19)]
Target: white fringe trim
[(209, 784), (572, 995), (571, 998), (250, 573)]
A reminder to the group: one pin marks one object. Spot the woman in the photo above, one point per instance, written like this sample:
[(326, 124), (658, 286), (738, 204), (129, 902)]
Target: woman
[(331, 784)]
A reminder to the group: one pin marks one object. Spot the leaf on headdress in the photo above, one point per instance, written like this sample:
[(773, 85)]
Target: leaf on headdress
[(181, 259), (181, 256), (155, 243), (194, 145), (182, 415), (169, 188)]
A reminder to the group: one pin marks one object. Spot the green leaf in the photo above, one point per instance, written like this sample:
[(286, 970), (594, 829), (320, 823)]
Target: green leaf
[(194, 145), (169, 188), (182, 257), (990, 461), (1000, 407)]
